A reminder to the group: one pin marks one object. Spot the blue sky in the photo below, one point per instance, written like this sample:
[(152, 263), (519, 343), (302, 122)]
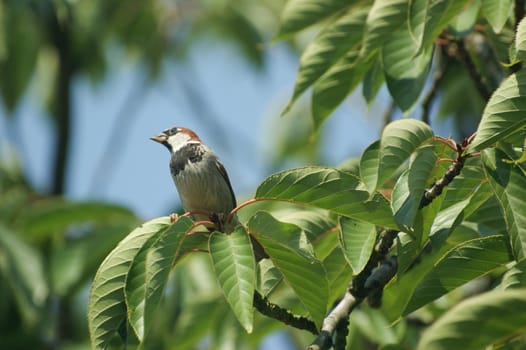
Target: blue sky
[(241, 100)]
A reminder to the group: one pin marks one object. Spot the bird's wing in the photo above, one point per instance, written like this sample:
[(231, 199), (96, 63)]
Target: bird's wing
[(223, 173)]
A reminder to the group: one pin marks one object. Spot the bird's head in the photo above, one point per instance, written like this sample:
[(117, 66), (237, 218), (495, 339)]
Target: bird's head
[(175, 138)]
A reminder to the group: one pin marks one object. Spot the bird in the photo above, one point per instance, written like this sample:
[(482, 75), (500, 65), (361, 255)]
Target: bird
[(201, 180)]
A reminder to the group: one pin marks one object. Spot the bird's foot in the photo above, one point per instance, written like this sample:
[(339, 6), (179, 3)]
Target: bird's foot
[(173, 217), (218, 220)]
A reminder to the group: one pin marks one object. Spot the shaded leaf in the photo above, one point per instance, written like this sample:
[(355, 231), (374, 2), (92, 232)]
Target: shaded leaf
[(305, 274), (504, 113), (373, 80), (330, 44), (335, 85), (300, 14), (22, 270), (462, 324), (406, 69), (357, 240)]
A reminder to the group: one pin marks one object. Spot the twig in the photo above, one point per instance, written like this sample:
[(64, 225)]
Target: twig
[(339, 313), (464, 56), (438, 186), (278, 313), (389, 112), (428, 100)]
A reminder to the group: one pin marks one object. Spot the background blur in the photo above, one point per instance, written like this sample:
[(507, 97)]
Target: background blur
[(83, 86)]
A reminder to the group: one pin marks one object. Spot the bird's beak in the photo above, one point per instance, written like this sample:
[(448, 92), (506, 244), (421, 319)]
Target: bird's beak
[(161, 138)]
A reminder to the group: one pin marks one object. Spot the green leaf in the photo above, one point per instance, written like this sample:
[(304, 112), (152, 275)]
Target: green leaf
[(515, 277), (74, 263), (501, 317), (330, 44), (497, 12), (235, 268), (437, 16), (268, 277), (149, 272), (338, 273), (369, 166), (410, 187), (509, 185), (385, 17), (106, 306), (335, 85), (504, 113), (406, 69), (399, 140), (520, 40), (373, 80), (51, 216), (290, 254), (326, 188), (462, 264), (357, 240), (300, 14), (463, 24), (19, 59), (22, 270)]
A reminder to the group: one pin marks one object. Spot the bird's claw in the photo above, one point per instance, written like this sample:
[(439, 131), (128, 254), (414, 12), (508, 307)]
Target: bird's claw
[(173, 217)]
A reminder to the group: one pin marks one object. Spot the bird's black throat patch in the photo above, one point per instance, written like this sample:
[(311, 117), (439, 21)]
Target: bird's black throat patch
[(190, 153)]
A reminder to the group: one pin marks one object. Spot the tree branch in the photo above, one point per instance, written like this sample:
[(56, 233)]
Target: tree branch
[(428, 100), (464, 56), (62, 103), (278, 313), (380, 269)]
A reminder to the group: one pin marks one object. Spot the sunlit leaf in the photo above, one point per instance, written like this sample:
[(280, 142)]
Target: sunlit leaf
[(148, 274), (385, 17), (515, 277), (462, 324), (509, 185), (437, 16), (410, 187), (462, 264), (504, 113), (520, 39), (106, 306), (326, 188), (329, 45), (497, 12), (399, 140), (235, 268)]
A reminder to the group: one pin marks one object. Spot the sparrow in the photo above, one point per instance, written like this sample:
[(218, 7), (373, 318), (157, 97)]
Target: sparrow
[(199, 176)]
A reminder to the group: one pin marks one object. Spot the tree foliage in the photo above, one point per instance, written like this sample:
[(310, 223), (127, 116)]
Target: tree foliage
[(454, 210), (428, 230)]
